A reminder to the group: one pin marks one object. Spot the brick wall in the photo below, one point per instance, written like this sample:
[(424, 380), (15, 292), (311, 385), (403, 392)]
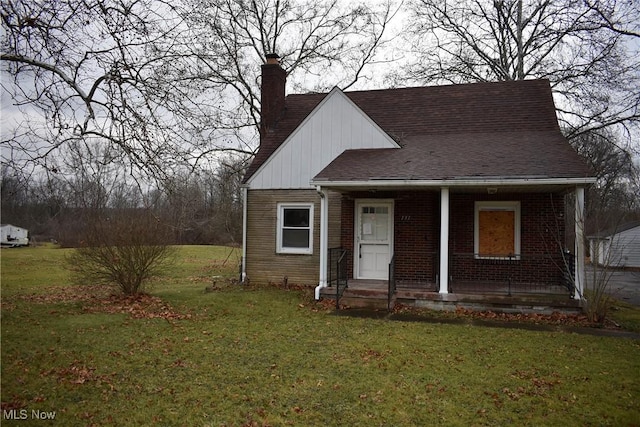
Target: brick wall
[(416, 232), (417, 236), (542, 232)]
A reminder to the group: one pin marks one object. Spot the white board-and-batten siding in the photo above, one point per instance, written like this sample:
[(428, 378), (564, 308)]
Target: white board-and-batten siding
[(335, 125)]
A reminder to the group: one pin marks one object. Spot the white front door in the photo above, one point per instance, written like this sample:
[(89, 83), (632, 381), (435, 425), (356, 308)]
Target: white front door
[(374, 238)]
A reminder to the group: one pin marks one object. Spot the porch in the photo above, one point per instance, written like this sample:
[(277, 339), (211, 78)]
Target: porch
[(494, 296), (501, 250), (512, 289)]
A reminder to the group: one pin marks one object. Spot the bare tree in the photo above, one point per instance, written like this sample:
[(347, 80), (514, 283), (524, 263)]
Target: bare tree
[(623, 21), (204, 207), (86, 70), (583, 47), (614, 197), (226, 192), (320, 43), (15, 198), (164, 83)]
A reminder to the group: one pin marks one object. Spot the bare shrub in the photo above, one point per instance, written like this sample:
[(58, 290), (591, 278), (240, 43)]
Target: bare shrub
[(598, 298), (124, 249), (606, 249)]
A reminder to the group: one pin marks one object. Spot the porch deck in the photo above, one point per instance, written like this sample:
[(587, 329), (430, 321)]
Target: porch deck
[(496, 296)]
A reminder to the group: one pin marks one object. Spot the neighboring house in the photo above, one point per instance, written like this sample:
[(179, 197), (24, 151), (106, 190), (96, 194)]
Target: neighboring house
[(10, 235), (453, 189), (617, 247)]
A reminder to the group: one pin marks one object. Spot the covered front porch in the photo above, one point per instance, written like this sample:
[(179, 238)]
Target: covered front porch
[(436, 258)]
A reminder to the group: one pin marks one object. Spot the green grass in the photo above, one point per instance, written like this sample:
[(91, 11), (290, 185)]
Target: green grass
[(264, 356), (625, 315), (30, 269)]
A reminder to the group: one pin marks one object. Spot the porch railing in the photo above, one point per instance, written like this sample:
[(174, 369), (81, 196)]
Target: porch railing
[(337, 274), (509, 274), (392, 282)]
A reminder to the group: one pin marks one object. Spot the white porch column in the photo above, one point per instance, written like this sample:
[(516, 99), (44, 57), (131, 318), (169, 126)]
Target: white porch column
[(444, 240), (579, 243), (324, 241)]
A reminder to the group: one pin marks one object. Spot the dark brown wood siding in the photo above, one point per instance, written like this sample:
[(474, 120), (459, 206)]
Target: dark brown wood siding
[(263, 263)]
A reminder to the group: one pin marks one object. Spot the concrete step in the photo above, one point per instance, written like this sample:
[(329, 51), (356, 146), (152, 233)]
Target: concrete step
[(521, 303), (360, 298), (364, 302)]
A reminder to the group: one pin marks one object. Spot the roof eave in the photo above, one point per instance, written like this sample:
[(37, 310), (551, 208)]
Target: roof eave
[(453, 182)]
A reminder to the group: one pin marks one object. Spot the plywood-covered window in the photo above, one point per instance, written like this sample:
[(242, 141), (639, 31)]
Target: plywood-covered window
[(497, 230), (295, 228)]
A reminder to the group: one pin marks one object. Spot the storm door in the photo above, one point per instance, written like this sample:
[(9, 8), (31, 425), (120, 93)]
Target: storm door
[(374, 239)]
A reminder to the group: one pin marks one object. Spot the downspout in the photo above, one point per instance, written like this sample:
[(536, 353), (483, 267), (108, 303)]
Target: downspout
[(324, 240), (245, 193), (579, 244)]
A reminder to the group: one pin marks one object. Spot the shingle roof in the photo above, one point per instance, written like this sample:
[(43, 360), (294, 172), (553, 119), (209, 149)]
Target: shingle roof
[(617, 229), (502, 129)]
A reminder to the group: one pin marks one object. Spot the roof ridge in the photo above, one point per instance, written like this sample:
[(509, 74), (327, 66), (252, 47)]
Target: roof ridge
[(431, 87)]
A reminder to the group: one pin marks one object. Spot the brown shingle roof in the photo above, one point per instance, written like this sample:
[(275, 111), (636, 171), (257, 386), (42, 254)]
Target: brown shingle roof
[(527, 154), (506, 129)]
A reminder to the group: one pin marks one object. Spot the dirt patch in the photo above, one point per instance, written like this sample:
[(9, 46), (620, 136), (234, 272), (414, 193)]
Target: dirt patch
[(141, 306), (461, 315), (65, 294), (102, 299), (555, 319)]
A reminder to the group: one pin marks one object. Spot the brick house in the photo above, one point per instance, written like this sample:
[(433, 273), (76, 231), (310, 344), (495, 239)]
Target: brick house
[(430, 195)]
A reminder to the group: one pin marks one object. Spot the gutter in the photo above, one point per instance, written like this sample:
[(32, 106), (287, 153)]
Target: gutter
[(456, 182)]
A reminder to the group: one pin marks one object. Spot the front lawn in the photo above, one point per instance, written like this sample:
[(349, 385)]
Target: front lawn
[(239, 356)]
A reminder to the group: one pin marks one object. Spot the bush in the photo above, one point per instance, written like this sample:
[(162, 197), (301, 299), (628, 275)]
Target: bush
[(597, 293), (124, 249)]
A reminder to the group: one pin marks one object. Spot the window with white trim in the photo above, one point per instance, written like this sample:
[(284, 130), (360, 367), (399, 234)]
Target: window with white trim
[(497, 230), (295, 228)]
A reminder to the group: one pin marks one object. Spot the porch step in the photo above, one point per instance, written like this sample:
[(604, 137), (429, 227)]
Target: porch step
[(377, 299), (358, 298), (496, 303)]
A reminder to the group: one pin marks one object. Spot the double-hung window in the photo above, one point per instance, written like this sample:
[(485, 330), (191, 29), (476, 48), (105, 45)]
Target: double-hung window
[(497, 230), (295, 228)]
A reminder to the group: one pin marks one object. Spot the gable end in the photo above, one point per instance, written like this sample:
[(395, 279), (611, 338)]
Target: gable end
[(336, 124)]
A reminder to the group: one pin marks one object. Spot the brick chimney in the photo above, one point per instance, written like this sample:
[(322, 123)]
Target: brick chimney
[(274, 79)]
